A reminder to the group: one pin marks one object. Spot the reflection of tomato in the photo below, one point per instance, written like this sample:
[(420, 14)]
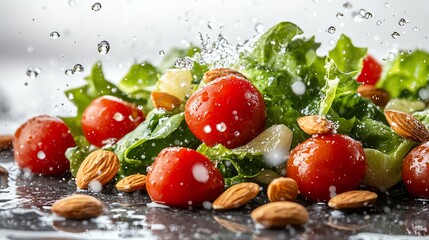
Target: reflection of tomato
[(229, 111), (415, 171), (183, 177), (40, 144), (371, 71), (326, 165), (109, 118)]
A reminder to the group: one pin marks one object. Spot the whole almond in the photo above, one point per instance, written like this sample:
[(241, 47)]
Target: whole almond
[(216, 73), (3, 171), (378, 96), (315, 124), (132, 183), (280, 214), (353, 199), (163, 100), (282, 189), (78, 206), (6, 142), (407, 126), (100, 165), (236, 196), (232, 226)]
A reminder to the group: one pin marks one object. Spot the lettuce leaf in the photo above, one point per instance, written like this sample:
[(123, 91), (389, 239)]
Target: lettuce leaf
[(138, 149), (406, 75)]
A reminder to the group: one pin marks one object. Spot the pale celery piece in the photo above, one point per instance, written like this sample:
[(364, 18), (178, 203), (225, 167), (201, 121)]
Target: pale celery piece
[(404, 105)]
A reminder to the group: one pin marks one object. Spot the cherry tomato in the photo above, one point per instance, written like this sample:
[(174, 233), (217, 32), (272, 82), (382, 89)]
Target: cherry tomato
[(229, 111), (183, 177), (40, 144), (107, 119), (415, 171), (371, 71), (326, 165)]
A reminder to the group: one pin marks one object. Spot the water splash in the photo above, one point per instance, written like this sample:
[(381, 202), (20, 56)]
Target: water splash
[(33, 72), (55, 35), (103, 47), (96, 7)]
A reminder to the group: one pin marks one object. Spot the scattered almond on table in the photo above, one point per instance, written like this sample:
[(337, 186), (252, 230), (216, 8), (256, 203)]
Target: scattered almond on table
[(236, 196), (280, 214), (132, 183), (282, 189), (78, 207), (353, 199)]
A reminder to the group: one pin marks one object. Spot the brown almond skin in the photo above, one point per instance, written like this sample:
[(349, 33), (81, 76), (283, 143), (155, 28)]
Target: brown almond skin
[(378, 96), (407, 126), (163, 100), (314, 124), (132, 183), (353, 199), (100, 165), (236, 196), (280, 214), (216, 73), (3, 171), (282, 189), (6, 142), (78, 207)]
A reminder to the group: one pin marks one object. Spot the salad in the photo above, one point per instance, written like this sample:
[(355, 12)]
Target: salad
[(332, 124)]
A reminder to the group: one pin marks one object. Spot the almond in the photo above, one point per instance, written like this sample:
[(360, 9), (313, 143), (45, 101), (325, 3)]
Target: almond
[(216, 73), (163, 100), (236, 196), (280, 214), (407, 126), (282, 189), (100, 165), (315, 124), (353, 199), (132, 183), (6, 142), (378, 96), (78, 206), (3, 171)]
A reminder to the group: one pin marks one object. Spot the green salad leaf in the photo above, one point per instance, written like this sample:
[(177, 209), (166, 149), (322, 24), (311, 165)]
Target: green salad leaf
[(406, 75), (138, 149)]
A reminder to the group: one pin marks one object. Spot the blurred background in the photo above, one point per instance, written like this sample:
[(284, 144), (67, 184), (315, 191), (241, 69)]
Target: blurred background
[(40, 40)]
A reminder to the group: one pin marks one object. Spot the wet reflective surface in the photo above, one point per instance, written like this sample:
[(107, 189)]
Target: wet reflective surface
[(25, 202)]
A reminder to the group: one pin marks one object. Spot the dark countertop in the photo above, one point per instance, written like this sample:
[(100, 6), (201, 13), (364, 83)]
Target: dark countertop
[(25, 202)]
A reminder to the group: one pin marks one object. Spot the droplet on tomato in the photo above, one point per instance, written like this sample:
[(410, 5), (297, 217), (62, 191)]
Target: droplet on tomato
[(200, 173), (221, 127), (207, 129), (41, 155), (118, 116)]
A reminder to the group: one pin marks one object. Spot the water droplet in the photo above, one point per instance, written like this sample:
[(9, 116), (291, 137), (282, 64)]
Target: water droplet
[(161, 53), (26, 83), (211, 25), (259, 28), (362, 12), (41, 155), (207, 129), (402, 22), (386, 5), (416, 29), (347, 5), (221, 127), (331, 29), (395, 35), (103, 47), (55, 35), (32, 73), (340, 15), (78, 68), (95, 186), (118, 116), (298, 87), (368, 15), (68, 72), (96, 7), (70, 96), (379, 23), (73, 3), (200, 173)]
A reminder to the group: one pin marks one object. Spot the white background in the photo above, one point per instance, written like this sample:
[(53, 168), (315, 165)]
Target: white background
[(138, 30)]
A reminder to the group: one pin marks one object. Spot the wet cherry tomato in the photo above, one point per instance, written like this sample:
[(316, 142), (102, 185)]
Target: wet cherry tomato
[(40, 144), (107, 119), (326, 165), (415, 171), (229, 111), (183, 177), (371, 71)]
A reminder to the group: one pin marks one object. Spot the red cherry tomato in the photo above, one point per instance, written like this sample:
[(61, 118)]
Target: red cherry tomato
[(229, 111), (415, 171), (183, 177), (371, 71), (40, 144), (109, 118), (326, 165)]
